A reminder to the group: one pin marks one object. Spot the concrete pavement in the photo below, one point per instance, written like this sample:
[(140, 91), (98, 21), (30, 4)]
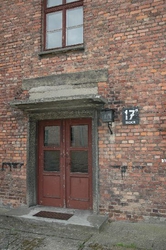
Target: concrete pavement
[(22, 232)]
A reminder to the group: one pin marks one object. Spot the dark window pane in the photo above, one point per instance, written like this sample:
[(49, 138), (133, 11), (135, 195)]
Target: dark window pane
[(74, 36), (52, 136), (79, 161), (51, 160), (74, 17), (54, 21), (79, 136), (74, 26), (54, 30), (54, 40), (51, 3)]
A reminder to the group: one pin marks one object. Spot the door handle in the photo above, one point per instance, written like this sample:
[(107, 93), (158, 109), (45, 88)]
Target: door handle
[(62, 155)]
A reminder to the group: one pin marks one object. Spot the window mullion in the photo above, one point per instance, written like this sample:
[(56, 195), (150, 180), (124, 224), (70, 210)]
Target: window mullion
[(64, 28)]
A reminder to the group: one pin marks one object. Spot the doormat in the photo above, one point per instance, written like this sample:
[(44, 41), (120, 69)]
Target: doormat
[(53, 215)]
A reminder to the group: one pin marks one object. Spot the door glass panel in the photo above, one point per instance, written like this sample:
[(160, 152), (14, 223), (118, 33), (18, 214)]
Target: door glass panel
[(79, 136), (52, 136), (51, 160), (79, 161)]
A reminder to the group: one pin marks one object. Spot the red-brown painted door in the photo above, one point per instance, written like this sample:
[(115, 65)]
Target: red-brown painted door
[(50, 161), (65, 163)]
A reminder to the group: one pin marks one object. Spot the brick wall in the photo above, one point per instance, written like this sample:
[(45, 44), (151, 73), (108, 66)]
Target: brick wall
[(127, 38), (137, 78)]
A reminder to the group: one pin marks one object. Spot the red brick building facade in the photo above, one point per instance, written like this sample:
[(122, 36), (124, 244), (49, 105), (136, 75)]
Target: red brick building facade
[(118, 62)]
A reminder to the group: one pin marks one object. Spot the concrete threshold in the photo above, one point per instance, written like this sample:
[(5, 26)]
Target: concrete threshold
[(80, 219)]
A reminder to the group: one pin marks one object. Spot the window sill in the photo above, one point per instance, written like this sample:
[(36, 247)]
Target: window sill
[(61, 50)]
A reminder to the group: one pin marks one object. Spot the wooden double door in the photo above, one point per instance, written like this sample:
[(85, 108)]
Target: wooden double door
[(65, 163)]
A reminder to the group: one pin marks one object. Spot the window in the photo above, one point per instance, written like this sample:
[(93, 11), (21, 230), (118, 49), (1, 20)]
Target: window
[(63, 23)]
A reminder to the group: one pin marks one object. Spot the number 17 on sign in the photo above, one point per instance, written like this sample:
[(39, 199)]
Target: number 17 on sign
[(130, 115)]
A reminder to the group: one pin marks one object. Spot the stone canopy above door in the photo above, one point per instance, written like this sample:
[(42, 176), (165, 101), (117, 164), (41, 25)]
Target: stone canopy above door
[(63, 92)]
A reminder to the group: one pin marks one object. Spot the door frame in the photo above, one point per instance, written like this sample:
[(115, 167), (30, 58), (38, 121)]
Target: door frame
[(32, 151), (64, 180)]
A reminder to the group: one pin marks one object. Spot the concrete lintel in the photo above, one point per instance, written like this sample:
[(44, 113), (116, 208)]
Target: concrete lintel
[(60, 103), (85, 77), (59, 91)]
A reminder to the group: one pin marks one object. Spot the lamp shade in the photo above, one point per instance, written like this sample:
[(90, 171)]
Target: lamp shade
[(107, 115)]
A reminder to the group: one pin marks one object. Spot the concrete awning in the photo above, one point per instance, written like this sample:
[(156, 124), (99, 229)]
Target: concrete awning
[(60, 103)]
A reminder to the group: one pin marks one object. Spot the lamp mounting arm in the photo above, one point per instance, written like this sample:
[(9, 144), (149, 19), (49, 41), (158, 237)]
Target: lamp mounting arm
[(109, 126)]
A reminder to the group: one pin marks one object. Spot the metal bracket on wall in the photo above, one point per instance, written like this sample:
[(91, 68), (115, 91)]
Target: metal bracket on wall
[(12, 165), (109, 126), (123, 171)]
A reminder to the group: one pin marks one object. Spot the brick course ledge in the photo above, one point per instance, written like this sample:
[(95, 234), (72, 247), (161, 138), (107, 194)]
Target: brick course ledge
[(60, 50)]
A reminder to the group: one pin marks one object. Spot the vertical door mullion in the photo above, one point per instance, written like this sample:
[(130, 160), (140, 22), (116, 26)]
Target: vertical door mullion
[(40, 162), (63, 162), (67, 158)]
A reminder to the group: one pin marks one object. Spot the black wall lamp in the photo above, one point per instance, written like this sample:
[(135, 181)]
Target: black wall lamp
[(107, 116)]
